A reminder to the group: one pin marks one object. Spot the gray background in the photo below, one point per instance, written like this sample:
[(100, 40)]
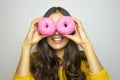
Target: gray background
[(100, 18)]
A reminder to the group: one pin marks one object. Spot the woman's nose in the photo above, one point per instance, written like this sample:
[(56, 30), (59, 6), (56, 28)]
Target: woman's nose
[(57, 33)]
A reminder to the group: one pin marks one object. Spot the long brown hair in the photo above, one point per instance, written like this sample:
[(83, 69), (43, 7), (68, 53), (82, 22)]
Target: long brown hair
[(46, 63)]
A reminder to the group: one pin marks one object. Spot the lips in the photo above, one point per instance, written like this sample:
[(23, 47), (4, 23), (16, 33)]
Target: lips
[(57, 39)]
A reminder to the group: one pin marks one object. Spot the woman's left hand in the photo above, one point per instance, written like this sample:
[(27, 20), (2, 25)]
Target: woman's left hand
[(80, 37)]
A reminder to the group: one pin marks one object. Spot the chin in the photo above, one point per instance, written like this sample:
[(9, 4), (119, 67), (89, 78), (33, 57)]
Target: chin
[(57, 47)]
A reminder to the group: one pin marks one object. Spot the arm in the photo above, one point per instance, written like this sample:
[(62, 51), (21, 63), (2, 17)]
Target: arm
[(93, 62), (80, 37), (32, 38), (24, 62)]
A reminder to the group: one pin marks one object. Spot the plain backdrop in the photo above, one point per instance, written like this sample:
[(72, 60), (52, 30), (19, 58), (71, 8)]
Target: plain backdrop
[(100, 18)]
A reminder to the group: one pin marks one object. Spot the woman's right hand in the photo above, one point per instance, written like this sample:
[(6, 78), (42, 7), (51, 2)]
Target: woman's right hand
[(33, 35)]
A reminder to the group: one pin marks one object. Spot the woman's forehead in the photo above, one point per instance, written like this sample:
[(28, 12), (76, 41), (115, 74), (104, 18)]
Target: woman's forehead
[(56, 16)]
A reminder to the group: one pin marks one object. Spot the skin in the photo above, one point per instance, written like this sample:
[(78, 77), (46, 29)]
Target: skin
[(57, 45), (80, 38)]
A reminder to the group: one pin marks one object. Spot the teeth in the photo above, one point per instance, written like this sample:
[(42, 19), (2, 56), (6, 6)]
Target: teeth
[(57, 38)]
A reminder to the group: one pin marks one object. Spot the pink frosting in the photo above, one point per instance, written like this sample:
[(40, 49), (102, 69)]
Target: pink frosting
[(65, 25), (46, 26)]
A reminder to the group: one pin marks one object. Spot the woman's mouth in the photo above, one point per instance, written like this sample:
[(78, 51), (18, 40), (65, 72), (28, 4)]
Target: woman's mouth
[(57, 39)]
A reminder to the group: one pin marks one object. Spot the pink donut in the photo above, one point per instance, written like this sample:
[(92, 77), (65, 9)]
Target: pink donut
[(65, 25), (46, 26)]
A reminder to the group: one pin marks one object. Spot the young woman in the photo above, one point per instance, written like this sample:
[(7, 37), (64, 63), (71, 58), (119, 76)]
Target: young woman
[(58, 57)]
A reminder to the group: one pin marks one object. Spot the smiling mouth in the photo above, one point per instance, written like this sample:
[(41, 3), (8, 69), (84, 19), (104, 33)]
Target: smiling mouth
[(58, 39)]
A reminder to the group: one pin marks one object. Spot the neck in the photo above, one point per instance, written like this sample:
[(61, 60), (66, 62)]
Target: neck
[(60, 53)]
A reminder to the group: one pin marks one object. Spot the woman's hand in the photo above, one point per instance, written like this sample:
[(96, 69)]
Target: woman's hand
[(33, 35), (32, 38), (80, 37)]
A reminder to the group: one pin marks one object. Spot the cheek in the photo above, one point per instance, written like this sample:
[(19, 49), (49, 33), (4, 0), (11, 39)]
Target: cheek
[(66, 40), (48, 40)]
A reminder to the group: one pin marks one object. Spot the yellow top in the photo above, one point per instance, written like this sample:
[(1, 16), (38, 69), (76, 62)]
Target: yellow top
[(102, 75)]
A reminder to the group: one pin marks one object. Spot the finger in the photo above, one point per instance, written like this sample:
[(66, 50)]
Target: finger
[(69, 36), (73, 38), (31, 33), (79, 23), (41, 37), (38, 34), (35, 22), (76, 20)]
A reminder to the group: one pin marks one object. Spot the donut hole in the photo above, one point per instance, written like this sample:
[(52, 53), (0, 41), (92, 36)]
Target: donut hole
[(46, 26), (65, 25)]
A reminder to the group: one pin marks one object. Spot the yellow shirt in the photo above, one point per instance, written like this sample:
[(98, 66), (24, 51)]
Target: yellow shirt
[(102, 75)]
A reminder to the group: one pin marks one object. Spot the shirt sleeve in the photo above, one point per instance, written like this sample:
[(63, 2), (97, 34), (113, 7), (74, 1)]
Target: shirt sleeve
[(102, 75), (26, 77)]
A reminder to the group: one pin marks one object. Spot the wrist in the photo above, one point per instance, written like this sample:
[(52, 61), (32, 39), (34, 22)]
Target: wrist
[(26, 46), (88, 48), (26, 49), (87, 44)]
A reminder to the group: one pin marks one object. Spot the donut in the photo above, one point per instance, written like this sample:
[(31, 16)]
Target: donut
[(65, 25), (46, 26)]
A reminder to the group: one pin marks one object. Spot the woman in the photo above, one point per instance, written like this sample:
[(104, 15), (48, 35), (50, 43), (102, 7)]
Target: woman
[(58, 57)]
